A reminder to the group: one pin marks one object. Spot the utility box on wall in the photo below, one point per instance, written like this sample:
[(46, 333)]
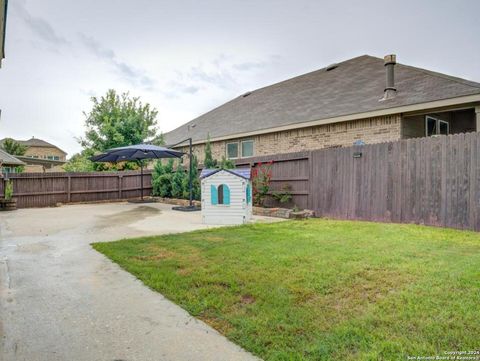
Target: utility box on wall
[(226, 196)]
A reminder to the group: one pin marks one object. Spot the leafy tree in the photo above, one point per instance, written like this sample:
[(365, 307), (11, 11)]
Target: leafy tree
[(162, 179), (79, 162), (116, 121), (195, 182), (178, 182), (12, 147), (209, 162), (227, 163)]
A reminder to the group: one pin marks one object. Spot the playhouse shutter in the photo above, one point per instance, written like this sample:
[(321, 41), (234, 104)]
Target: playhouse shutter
[(213, 195), (226, 194), (249, 194)]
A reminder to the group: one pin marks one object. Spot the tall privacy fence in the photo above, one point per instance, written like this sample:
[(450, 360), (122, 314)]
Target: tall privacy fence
[(433, 181), (48, 189)]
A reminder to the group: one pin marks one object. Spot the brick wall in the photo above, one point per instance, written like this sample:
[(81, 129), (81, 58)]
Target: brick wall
[(370, 130)]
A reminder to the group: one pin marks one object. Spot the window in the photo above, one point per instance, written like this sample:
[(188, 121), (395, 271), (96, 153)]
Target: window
[(220, 195), (240, 149), (247, 148), (232, 150), (434, 126)]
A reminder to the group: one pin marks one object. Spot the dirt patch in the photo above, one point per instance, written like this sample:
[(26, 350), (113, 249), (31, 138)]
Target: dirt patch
[(159, 255), (126, 217), (247, 299), (363, 289)]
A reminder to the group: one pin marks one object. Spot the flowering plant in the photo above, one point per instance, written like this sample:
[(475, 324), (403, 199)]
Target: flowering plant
[(261, 179)]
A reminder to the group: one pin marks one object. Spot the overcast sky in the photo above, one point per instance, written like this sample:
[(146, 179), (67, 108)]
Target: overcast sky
[(186, 57)]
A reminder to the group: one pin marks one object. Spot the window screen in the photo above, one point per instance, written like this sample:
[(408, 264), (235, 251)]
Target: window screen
[(247, 148), (232, 150)]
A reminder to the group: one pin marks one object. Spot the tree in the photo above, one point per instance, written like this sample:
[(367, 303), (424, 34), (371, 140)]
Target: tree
[(162, 179), (116, 121), (12, 147), (195, 182), (79, 162), (209, 162), (227, 163), (178, 182)]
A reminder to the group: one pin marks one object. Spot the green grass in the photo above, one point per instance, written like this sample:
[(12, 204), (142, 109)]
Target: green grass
[(320, 289)]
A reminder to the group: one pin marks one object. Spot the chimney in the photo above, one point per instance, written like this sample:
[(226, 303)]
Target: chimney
[(390, 90)]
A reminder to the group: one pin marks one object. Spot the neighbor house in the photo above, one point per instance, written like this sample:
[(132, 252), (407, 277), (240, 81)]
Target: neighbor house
[(41, 156), (9, 163), (364, 99)]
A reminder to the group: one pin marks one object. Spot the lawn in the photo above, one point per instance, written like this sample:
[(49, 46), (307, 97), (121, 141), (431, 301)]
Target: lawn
[(320, 289)]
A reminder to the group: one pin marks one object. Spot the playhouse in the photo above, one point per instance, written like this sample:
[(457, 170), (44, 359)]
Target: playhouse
[(226, 196)]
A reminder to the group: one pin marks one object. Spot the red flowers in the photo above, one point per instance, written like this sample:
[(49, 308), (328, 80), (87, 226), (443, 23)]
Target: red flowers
[(261, 179)]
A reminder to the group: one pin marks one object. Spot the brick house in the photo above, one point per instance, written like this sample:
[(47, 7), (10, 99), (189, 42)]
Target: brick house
[(41, 156), (336, 106)]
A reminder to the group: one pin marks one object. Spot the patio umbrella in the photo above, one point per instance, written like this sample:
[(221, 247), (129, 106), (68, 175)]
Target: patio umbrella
[(136, 152)]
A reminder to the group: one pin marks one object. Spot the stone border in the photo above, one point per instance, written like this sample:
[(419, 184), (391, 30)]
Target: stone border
[(258, 211)]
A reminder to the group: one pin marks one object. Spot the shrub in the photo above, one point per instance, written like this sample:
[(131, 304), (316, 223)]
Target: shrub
[(161, 179), (284, 195), (261, 179), (178, 182), (8, 193)]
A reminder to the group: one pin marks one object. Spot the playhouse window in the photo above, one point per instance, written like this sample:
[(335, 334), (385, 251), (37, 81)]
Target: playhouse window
[(220, 195)]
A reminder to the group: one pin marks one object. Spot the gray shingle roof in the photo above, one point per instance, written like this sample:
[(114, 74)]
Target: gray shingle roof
[(354, 86), (7, 159), (35, 142)]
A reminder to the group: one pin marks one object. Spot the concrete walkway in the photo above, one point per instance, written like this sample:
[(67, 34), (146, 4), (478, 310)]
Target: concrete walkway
[(61, 300)]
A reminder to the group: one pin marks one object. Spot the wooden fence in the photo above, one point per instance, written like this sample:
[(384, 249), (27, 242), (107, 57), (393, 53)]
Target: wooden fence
[(433, 181), (48, 189)]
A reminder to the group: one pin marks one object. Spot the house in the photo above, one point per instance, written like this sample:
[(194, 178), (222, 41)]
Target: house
[(41, 156), (226, 196), (3, 27), (365, 99), (9, 163)]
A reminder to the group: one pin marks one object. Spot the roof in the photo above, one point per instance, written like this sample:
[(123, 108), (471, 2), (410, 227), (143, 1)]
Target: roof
[(35, 142), (239, 172), (352, 87), (43, 161), (8, 159)]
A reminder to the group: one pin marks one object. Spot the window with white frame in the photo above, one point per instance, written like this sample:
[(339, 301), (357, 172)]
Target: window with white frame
[(435, 126), (247, 148), (241, 149), (232, 150)]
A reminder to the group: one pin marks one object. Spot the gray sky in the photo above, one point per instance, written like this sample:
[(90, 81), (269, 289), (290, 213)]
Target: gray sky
[(186, 57)]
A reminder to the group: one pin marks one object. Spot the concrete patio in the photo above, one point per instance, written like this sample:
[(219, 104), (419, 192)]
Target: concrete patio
[(61, 300)]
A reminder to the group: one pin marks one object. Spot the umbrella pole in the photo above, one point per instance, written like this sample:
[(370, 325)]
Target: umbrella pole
[(141, 179), (190, 173)]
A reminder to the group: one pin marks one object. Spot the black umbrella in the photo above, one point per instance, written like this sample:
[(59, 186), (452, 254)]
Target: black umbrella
[(136, 152)]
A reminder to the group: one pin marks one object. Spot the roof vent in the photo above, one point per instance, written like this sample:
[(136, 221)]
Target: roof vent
[(331, 67), (246, 94)]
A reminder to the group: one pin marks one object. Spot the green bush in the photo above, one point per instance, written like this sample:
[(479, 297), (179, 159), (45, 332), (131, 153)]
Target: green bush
[(168, 183), (8, 193)]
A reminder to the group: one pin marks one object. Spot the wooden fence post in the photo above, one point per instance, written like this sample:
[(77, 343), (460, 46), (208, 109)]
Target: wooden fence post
[(69, 189), (120, 186)]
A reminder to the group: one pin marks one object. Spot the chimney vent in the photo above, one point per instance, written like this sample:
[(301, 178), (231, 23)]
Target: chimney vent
[(390, 90)]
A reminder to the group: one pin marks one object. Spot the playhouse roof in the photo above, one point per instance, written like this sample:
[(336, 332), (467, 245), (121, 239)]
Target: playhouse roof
[(239, 172)]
